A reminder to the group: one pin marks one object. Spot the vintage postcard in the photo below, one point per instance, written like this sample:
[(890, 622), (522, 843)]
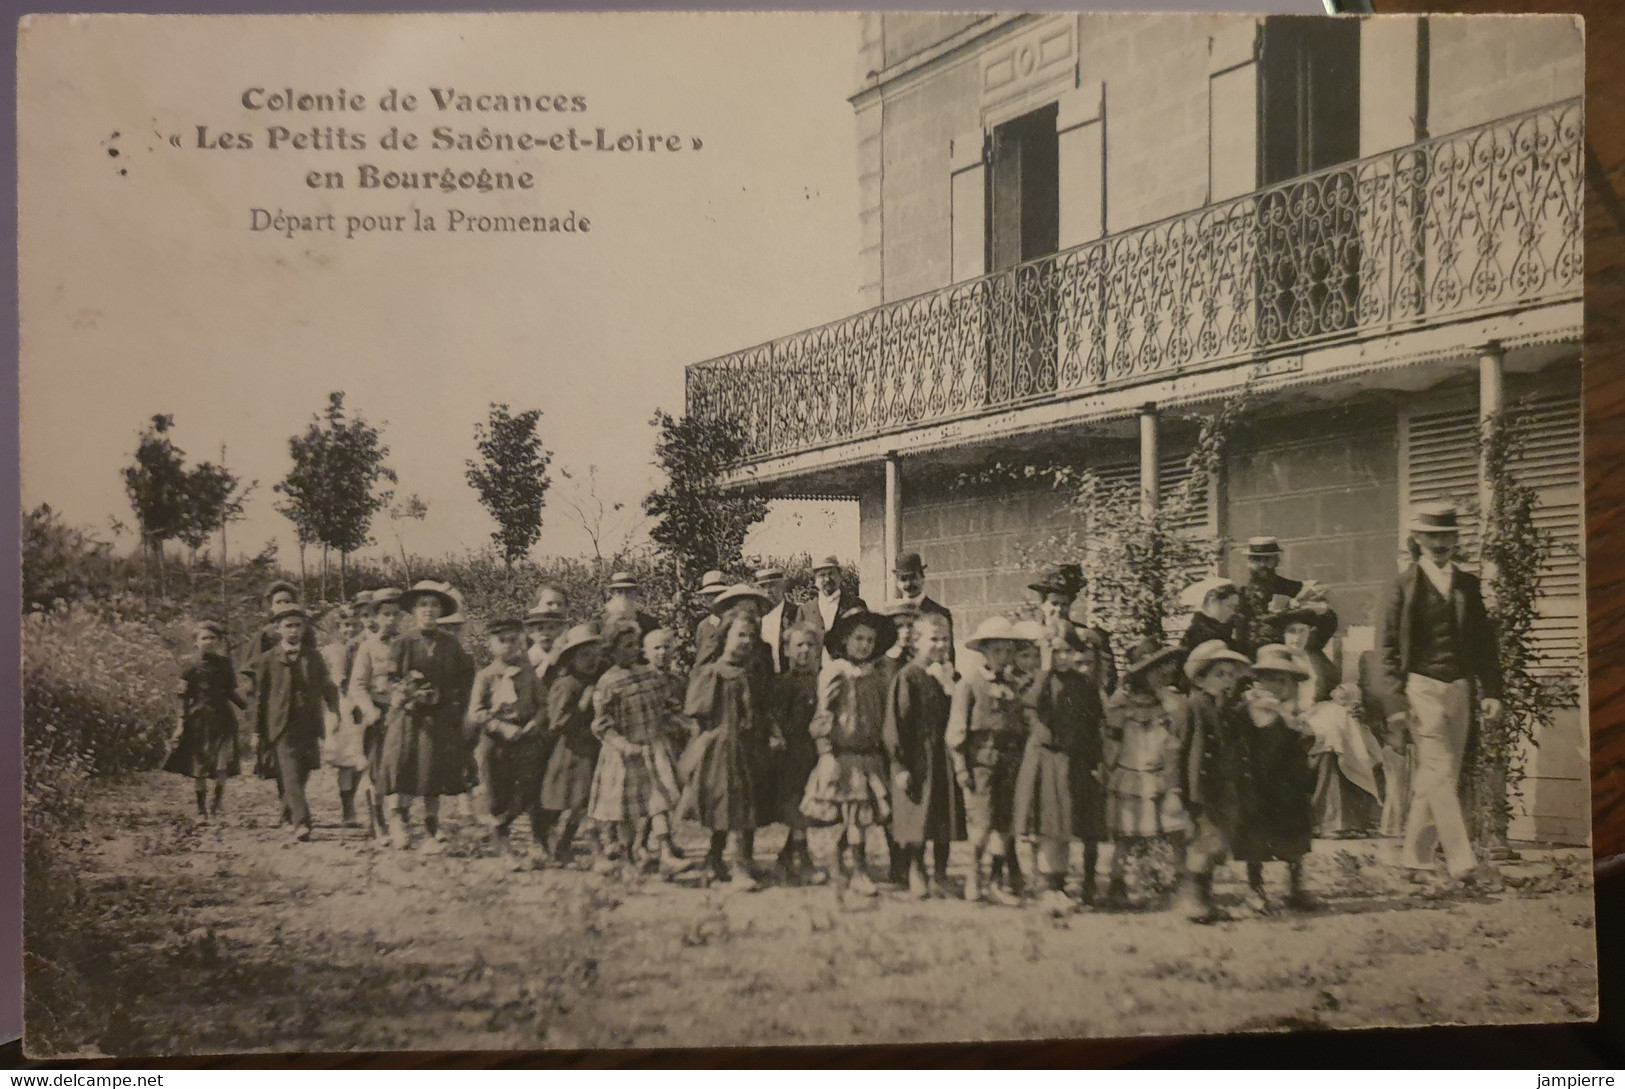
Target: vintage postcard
[(646, 530)]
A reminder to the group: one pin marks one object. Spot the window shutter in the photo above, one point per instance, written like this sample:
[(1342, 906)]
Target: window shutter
[(1441, 449), (967, 178)]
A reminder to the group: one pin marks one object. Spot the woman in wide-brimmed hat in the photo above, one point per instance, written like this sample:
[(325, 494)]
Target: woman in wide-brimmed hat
[(567, 784), (423, 753), (1146, 814), (848, 787)]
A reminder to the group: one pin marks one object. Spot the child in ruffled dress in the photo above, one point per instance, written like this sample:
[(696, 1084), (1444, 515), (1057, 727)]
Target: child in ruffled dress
[(1147, 816), (848, 787)]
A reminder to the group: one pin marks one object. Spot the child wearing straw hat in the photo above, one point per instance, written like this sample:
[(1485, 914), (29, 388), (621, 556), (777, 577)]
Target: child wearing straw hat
[(1279, 819), (1215, 770), (423, 754), (848, 786), (205, 738), (986, 735), (567, 785)]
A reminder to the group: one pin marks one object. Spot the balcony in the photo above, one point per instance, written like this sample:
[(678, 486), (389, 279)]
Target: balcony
[(1479, 222)]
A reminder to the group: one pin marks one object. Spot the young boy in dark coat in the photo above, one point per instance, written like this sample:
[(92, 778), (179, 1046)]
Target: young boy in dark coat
[(205, 738), (567, 785), (1060, 795), (507, 712), (1215, 770), (791, 706), (291, 688), (1279, 815)]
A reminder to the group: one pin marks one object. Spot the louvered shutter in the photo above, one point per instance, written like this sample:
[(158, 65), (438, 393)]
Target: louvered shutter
[(1441, 463)]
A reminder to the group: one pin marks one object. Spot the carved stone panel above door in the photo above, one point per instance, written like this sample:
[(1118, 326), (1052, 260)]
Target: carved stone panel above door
[(1030, 68)]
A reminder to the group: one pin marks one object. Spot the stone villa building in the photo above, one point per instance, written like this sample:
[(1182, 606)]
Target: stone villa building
[(1077, 231)]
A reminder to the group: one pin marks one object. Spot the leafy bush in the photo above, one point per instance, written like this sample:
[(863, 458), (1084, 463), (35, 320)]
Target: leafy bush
[(98, 699)]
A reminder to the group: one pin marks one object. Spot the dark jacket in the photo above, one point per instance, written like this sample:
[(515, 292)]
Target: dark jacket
[(1204, 628), (1395, 621)]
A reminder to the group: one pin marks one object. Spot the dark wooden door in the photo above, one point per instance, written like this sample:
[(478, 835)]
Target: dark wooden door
[(1308, 120), (1024, 224)]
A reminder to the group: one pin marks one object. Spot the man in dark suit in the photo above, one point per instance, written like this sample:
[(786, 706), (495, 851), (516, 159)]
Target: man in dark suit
[(909, 573), (1260, 594), (1435, 645)]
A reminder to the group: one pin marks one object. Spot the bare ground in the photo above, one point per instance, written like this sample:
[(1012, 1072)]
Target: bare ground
[(183, 938)]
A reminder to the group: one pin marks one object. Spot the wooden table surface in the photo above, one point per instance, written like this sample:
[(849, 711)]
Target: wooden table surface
[(1605, 540)]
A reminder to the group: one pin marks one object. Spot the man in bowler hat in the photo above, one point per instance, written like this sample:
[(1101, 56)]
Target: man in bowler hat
[(909, 575)]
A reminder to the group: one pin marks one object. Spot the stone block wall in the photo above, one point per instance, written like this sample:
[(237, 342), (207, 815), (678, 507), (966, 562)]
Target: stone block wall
[(1327, 485), (1483, 68)]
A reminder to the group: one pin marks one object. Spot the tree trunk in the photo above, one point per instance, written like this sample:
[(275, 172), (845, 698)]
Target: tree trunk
[(344, 558), (163, 582), (303, 578), (324, 574)]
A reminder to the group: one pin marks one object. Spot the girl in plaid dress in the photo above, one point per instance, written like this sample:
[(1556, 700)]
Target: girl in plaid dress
[(635, 784)]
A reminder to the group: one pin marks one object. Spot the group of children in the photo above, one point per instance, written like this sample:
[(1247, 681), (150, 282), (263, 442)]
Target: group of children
[(835, 730)]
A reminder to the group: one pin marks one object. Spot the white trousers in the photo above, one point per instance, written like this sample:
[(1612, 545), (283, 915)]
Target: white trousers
[(1441, 715)]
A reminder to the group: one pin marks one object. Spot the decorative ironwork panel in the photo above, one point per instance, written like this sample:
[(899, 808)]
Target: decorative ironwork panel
[(1478, 221)]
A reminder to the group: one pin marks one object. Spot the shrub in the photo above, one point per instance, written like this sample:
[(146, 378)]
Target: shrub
[(98, 699)]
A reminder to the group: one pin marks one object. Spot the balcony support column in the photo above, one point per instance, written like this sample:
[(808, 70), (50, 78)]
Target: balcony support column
[(1150, 460), (1488, 786), (1491, 400), (894, 519)]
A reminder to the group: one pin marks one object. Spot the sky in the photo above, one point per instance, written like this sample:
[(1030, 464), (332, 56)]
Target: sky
[(143, 289)]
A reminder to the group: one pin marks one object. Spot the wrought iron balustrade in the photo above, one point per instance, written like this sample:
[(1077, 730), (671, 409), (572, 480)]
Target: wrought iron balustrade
[(1482, 220)]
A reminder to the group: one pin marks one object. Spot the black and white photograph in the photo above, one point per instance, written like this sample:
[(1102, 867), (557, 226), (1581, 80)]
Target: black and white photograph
[(691, 530)]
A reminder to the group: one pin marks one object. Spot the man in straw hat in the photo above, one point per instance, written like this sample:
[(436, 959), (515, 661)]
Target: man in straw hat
[(544, 623), (370, 689), (832, 599), (424, 755), (1214, 771), (987, 733), (1435, 651), (291, 686), (781, 614), (625, 602)]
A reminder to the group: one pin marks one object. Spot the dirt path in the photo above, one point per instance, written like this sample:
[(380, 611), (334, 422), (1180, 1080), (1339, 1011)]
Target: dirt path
[(229, 937)]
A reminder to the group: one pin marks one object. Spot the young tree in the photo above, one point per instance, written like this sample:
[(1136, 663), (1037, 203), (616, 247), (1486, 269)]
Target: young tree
[(399, 512), (333, 488), (302, 490), (610, 527), (511, 478), (211, 493), (156, 483), (697, 523)]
